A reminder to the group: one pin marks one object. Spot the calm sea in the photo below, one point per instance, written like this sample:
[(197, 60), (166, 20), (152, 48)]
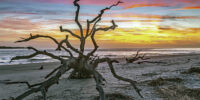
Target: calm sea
[(7, 54)]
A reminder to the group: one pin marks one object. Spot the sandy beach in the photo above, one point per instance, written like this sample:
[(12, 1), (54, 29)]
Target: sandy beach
[(160, 78)]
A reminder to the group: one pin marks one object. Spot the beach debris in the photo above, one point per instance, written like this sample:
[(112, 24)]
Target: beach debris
[(179, 92), (153, 62), (192, 70), (150, 74), (136, 58), (157, 82), (162, 81), (83, 66), (20, 82), (42, 67), (116, 96)]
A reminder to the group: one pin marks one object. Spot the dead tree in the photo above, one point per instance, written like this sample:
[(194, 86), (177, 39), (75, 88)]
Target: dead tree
[(83, 65), (136, 57)]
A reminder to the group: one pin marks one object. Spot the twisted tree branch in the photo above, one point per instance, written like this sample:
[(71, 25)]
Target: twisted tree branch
[(122, 78), (99, 29), (35, 37), (82, 39), (52, 72), (99, 80), (109, 61), (19, 82), (43, 86), (108, 28), (94, 30), (77, 15), (98, 18), (68, 44), (32, 37), (56, 69), (67, 30), (37, 52), (103, 10)]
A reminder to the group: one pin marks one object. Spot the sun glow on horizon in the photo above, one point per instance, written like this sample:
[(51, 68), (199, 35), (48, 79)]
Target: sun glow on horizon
[(142, 23)]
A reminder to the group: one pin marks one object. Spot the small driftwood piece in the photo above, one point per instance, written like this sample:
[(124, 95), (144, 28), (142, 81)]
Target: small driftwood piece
[(136, 58)]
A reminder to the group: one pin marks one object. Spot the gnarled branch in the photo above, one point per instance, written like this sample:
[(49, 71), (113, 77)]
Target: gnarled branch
[(98, 18), (52, 72), (35, 37), (19, 82), (103, 10), (23, 82), (60, 45), (76, 17), (67, 30), (82, 39), (99, 80), (109, 61), (37, 52), (43, 86), (94, 30), (122, 78), (68, 44), (108, 28), (93, 34), (32, 37)]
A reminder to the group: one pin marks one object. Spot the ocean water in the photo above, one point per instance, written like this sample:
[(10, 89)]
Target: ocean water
[(7, 54)]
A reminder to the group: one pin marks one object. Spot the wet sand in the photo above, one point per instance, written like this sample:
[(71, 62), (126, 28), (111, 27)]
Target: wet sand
[(85, 89)]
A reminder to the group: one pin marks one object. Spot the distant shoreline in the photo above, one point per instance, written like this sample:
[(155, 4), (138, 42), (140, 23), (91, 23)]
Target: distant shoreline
[(5, 47)]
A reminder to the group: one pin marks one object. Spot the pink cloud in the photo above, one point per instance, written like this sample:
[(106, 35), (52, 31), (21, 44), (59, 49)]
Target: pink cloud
[(55, 1), (145, 5), (127, 3), (18, 24), (84, 2), (188, 1)]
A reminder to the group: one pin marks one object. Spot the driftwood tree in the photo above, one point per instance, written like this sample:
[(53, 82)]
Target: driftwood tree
[(83, 65)]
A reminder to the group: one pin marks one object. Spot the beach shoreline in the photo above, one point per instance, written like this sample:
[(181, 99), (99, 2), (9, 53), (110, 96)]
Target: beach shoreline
[(84, 89)]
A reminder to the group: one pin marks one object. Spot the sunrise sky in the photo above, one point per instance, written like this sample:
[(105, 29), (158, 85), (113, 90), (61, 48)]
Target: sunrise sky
[(142, 23)]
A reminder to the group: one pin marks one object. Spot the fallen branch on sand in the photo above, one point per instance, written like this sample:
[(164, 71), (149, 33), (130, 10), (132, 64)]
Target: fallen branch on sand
[(153, 62), (136, 58)]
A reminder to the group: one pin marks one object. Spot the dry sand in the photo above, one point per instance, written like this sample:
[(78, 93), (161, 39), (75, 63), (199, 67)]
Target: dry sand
[(84, 89)]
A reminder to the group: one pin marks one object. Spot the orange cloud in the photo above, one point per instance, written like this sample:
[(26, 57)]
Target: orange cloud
[(130, 15), (145, 5), (189, 8)]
